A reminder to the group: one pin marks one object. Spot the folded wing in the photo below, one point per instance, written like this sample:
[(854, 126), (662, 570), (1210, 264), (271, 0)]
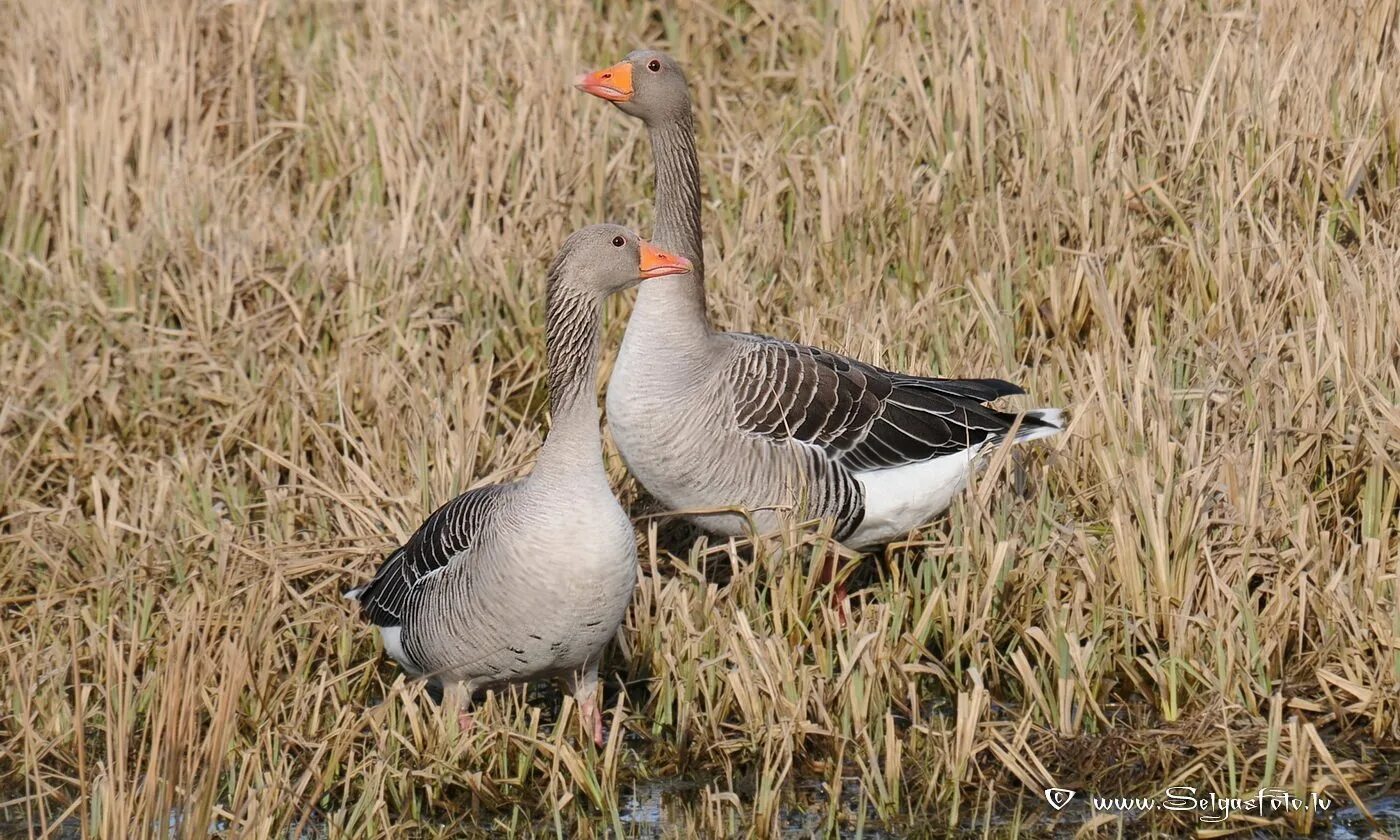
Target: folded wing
[(453, 529), (861, 416)]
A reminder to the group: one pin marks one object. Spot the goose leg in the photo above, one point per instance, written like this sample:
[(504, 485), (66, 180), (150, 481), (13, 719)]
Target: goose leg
[(592, 713), (583, 685), (459, 696), (839, 596)]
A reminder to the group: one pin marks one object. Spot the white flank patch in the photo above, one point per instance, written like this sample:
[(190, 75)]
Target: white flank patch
[(900, 499), (393, 645)]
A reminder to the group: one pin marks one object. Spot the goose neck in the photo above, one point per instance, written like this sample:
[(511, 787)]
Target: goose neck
[(573, 323), (678, 303), (678, 189)]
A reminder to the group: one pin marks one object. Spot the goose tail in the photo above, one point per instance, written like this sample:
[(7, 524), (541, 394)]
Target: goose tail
[(1042, 422)]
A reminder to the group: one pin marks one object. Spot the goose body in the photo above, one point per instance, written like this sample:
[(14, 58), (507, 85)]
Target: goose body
[(530, 579), (516, 597), (711, 419)]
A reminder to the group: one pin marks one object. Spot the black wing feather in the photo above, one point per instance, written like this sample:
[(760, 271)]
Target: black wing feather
[(451, 530), (861, 416)]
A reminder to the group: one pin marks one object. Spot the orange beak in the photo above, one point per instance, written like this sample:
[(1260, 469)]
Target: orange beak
[(613, 83), (656, 263)]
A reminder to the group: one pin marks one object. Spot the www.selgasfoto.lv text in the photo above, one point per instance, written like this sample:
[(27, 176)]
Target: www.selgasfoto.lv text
[(1213, 808)]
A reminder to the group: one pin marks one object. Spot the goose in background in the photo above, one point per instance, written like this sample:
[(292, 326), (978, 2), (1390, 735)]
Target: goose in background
[(530, 579), (711, 419)]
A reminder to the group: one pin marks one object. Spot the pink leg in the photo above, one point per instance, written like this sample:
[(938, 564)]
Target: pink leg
[(838, 595), (592, 718), (459, 696), (584, 687)]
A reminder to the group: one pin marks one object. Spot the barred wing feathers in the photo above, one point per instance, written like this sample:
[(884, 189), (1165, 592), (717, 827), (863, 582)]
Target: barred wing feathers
[(451, 530), (861, 416)]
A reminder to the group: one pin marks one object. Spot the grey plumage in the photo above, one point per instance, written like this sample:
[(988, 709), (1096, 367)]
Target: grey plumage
[(707, 419), (450, 531), (530, 579)]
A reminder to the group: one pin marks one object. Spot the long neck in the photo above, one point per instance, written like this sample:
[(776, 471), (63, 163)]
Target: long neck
[(678, 190), (679, 302), (573, 323)]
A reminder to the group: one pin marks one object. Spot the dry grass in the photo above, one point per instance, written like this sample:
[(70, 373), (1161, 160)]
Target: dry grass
[(271, 277)]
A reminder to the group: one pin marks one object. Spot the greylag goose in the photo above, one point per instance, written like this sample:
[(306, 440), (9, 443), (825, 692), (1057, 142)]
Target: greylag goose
[(709, 419), (530, 579)]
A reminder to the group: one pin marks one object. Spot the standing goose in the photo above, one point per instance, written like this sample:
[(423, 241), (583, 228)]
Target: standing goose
[(710, 419), (530, 579)]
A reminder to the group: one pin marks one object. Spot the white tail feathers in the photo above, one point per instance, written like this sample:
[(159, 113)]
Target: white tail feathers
[(1053, 416)]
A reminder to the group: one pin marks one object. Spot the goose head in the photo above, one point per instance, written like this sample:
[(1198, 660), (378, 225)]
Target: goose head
[(600, 260), (647, 84)]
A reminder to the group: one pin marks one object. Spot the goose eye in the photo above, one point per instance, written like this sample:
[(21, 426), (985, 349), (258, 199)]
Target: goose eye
[(618, 241), (654, 66)]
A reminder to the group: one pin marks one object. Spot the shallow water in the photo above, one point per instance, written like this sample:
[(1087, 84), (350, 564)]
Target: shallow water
[(659, 808), (1351, 824), (662, 807), (666, 807)]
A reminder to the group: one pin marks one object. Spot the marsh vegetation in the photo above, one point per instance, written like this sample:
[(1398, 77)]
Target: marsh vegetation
[(271, 283)]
